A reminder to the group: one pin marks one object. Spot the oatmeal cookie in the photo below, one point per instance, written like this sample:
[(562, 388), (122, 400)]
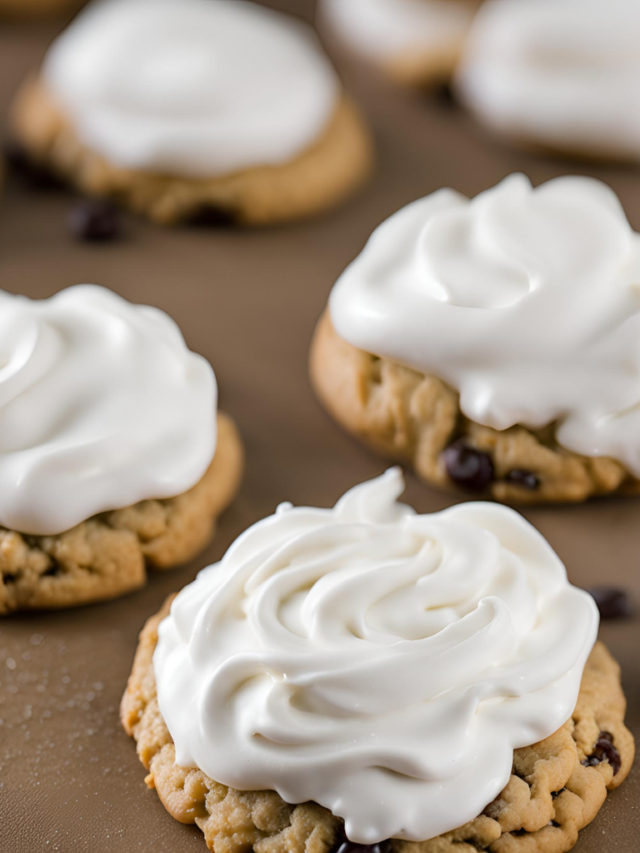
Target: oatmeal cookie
[(556, 788), (315, 180), (107, 555), (416, 419)]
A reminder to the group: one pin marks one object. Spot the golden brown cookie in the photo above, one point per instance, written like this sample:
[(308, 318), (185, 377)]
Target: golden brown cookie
[(412, 418), (417, 66), (427, 68), (108, 555), (317, 179), (36, 8), (557, 786)]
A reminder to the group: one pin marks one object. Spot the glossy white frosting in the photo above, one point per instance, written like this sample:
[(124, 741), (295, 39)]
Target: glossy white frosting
[(195, 88), (526, 301), (381, 663), (561, 73), (386, 29), (101, 406)]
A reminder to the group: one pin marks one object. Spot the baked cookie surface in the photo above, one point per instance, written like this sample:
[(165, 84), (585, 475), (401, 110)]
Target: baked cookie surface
[(252, 126), (557, 786), (414, 418), (322, 176), (490, 342), (108, 555)]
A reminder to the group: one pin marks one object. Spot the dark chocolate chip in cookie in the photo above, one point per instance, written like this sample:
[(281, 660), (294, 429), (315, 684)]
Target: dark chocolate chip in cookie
[(94, 220), (613, 602), (469, 468), (35, 175), (525, 479), (604, 750), (210, 216)]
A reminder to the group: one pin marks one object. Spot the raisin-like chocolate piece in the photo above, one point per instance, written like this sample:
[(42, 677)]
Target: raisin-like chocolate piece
[(604, 750), (525, 479), (210, 216), (469, 468), (35, 175), (94, 220)]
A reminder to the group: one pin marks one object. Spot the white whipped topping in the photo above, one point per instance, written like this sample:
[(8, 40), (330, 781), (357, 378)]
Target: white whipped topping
[(101, 406), (195, 88), (525, 301), (384, 29), (561, 73), (381, 663)]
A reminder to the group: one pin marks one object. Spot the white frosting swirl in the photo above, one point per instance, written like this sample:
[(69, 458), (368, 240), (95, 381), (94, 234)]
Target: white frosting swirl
[(381, 663), (525, 301), (195, 88), (386, 29), (101, 406), (561, 73)]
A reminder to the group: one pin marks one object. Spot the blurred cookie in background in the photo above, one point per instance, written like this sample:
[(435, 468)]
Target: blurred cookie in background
[(36, 8), (558, 76), (181, 109), (416, 42)]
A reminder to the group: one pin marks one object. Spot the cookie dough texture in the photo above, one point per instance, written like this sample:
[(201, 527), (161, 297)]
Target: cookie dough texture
[(550, 796), (317, 179), (36, 8), (108, 555), (410, 417)]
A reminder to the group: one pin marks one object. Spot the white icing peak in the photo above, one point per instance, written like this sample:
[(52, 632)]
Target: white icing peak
[(526, 301), (101, 406), (195, 88), (381, 663), (562, 73), (385, 29)]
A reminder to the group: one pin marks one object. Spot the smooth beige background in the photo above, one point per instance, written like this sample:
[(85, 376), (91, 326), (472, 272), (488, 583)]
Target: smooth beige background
[(248, 300)]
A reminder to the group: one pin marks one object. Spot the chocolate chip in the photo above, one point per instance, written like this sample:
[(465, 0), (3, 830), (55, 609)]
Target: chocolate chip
[(53, 570), (212, 217), (525, 479), (469, 468), (94, 221), (613, 602), (351, 847), (604, 750), (35, 175)]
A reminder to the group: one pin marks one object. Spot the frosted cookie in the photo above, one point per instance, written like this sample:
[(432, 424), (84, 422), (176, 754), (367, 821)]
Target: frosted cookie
[(112, 456), (492, 343), (36, 8), (365, 673), (180, 108), (417, 42), (561, 76)]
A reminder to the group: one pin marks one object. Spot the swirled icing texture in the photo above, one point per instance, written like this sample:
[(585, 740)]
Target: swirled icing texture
[(385, 29), (194, 88), (101, 406), (381, 663), (562, 73), (526, 301)]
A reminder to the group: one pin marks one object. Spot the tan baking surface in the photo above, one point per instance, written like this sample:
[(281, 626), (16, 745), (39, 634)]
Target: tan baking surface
[(69, 777)]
